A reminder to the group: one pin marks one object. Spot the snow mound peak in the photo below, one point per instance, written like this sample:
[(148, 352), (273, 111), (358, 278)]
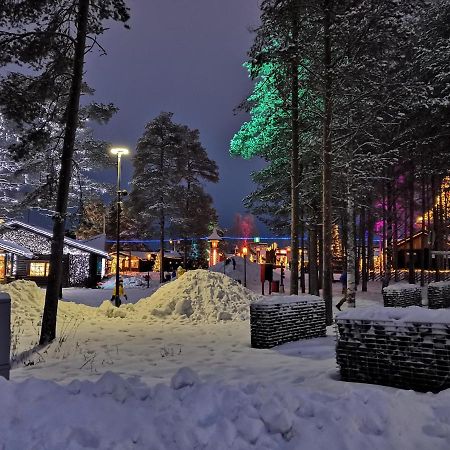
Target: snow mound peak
[(202, 296)]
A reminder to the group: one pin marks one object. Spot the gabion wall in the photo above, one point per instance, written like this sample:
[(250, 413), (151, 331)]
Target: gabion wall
[(409, 355), (275, 320), (439, 295), (402, 295)]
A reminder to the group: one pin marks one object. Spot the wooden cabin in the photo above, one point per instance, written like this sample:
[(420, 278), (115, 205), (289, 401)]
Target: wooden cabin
[(25, 254)]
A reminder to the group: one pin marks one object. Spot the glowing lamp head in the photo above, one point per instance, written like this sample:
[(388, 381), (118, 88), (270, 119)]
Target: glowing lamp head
[(244, 251), (119, 151), (149, 256)]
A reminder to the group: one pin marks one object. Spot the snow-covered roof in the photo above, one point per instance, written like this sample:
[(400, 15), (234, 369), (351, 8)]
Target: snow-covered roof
[(214, 236), (12, 247), (47, 233)]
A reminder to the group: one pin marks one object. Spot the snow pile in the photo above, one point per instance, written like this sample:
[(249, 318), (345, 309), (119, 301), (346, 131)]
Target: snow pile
[(200, 295), (27, 305), (27, 300), (114, 412), (128, 282)]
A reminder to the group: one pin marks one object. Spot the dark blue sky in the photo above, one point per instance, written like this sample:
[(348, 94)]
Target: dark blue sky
[(183, 56)]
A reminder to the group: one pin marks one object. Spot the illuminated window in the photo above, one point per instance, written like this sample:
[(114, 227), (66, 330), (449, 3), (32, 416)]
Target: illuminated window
[(134, 263), (39, 269)]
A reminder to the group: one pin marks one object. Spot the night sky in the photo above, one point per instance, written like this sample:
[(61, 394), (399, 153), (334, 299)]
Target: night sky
[(183, 56)]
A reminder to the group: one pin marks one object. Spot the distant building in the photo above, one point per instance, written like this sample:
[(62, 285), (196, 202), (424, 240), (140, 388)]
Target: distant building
[(138, 261), (25, 254)]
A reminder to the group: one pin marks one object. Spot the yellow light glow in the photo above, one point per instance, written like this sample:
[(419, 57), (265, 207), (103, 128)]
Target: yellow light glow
[(120, 151), (245, 251)]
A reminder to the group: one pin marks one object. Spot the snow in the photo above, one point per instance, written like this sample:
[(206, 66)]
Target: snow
[(409, 314), (252, 269), (285, 299), (200, 295), (128, 282), (402, 287), (439, 284), (145, 381), (122, 413)]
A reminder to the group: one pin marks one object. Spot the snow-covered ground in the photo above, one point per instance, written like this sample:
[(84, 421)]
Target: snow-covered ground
[(118, 379), (95, 297)]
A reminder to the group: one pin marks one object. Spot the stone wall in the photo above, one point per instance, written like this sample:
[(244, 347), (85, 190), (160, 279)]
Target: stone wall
[(275, 320), (407, 348), (439, 295), (402, 295)]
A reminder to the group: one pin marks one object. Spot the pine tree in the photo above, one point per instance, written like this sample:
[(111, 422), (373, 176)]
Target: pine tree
[(40, 35), (156, 177), (170, 167), (193, 207), (93, 220)]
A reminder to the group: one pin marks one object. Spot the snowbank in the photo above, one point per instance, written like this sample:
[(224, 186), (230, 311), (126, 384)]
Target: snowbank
[(114, 412), (200, 295), (27, 303), (27, 300)]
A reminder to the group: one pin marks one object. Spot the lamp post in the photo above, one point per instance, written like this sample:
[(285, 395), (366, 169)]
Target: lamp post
[(244, 252), (148, 270), (214, 240), (118, 151)]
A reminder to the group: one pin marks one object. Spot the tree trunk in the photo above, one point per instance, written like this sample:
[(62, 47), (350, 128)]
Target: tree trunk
[(364, 275), (302, 255), (327, 291), (430, 231), (388, 274), (435, 225), (411, 271), (351, 252), (48, 329), (370, 262), (422, 230), (357, 253), (313, 275), (295, 178), (383, 241), (395, 240), (162, 218), (161, 244), (320, 257)]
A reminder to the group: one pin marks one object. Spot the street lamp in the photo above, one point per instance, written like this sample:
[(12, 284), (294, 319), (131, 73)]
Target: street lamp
[(148, 269), (214, 240), (118, 151), (244, 252)]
